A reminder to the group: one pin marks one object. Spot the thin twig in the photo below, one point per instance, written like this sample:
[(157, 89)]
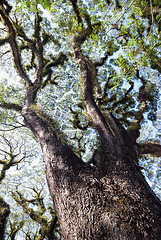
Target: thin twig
[(151, 10), (122, 15), (125, 11), (4, 53)]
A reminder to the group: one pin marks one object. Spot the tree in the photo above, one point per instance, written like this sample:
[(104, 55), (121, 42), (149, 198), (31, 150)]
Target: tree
[(107, 197)]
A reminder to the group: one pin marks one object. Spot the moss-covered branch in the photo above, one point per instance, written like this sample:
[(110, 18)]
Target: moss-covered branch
[(47, 228), (14, 228), (13, 44), (10, 159)]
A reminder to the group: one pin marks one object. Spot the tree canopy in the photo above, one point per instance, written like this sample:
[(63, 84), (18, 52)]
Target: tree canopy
[(46, 50)]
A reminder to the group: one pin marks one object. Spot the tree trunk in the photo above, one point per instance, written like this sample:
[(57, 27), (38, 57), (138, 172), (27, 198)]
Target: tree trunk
[(108, 201)]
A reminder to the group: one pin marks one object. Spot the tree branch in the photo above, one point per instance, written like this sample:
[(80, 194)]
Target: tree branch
[(8, 163), (150, 148), (14, 47), (4, 41), (107, 128), (39, 73), (76, 10), (22, 201), (14, 228), (12, 127), (11, 106), (102, 61)]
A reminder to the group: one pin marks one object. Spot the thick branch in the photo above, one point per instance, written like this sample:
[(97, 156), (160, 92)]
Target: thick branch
[(11, 106), (39, 73), (4, 41), (107, 128), (14, 47), (82, 35), (56, 61), (52, 227), (76, 10), (150, 148), (46, 135)]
